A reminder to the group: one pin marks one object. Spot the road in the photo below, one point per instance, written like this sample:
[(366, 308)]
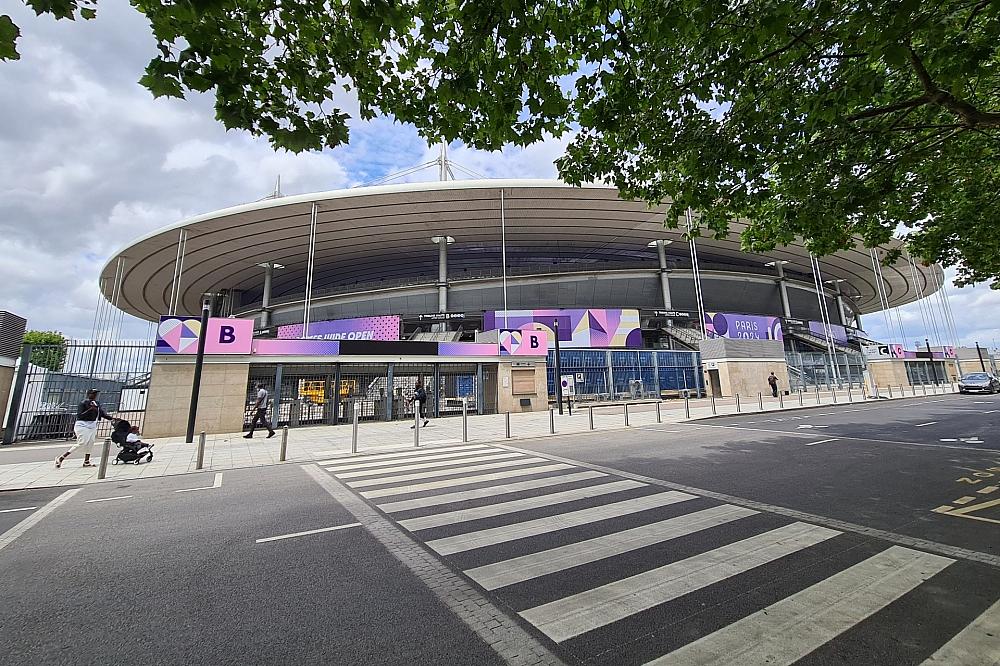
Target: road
[(824, 536)]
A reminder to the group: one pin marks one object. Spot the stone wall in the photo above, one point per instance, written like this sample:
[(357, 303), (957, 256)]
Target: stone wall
[(890, 372), (748, 377), (222, 401), (509, 401)]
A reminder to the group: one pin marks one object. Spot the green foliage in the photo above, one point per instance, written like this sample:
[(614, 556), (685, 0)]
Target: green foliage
[(827, 121), (60, 9), (49, 349)]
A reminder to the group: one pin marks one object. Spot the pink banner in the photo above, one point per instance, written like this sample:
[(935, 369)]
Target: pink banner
[(524, 343)]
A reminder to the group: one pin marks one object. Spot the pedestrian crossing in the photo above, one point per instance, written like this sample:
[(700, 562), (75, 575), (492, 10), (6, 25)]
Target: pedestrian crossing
[(616, 570)]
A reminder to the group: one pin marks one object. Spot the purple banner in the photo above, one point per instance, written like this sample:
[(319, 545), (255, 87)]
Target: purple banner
[(360, 328), (742, 326), (467, 349), (593, 327), (273, 347), (838, 331)]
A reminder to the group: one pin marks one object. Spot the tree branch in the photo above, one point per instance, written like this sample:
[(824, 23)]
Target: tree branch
[(971, 116), (882, 110)]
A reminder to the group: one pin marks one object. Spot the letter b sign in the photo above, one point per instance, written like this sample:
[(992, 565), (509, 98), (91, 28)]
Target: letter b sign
[(227, 335)]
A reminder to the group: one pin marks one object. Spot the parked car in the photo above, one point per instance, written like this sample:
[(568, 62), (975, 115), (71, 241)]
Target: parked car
[(978, 382)]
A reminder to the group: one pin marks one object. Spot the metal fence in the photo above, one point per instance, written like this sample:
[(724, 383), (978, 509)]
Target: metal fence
[(606, 374), (51, 380)]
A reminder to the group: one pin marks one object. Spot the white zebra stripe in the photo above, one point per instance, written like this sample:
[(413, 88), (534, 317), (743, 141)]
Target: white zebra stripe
[(465, 481), (416, 476), (410, 467)]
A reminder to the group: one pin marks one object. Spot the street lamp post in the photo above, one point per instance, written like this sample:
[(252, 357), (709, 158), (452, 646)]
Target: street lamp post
[(199, 361), (559, 395)]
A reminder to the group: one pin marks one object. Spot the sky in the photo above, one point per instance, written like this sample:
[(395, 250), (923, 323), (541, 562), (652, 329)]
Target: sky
[(91, 161)]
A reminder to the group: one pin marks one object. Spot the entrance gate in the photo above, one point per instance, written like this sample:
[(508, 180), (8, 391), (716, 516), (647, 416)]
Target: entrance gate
[(51, 380)]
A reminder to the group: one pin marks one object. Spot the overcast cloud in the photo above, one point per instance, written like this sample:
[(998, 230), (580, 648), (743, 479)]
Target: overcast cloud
[(90, 161)]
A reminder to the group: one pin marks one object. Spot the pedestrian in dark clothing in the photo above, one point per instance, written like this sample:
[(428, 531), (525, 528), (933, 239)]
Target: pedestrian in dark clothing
[(420, 402), (260, 414), (88, 413), (773, 382)]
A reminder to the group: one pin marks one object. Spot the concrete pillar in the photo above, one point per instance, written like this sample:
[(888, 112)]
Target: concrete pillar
[(840, 304), (442, 284), (779, 266), (265, 302), (661, 255)]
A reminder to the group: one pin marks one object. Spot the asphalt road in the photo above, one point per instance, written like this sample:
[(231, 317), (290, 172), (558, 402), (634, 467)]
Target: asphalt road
[(178, 578), (748, 540)]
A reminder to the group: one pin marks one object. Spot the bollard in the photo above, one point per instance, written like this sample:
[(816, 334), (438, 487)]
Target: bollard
[(850, 396), (760, 400), (552, 421), (687, 409), (626, 414), (659, 419), (507, 424), (591, 410), (833, 392), (201, 451), (416, 426), (102, 471), (284, 444), (801, 393), (817, 394), (902, 394), (465, 421), (781, 400), (889, 386), (923, 387), (713, 405), (354, 432), (737, 403)]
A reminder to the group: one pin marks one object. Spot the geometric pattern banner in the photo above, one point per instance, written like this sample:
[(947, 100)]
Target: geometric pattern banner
[(593, 327), (178, 335)]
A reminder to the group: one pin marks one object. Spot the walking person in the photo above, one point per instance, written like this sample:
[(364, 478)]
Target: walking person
[(773, 382), (260, 414), (420, 402), (88, 413)]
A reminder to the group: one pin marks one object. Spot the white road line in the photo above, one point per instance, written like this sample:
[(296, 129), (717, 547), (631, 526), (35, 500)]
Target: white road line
[(364, 458), (307, 532), (793, 433), (365, 483), (215, 484), (108, 499), (356, 465), (23, 508), (466, 480), (411, 467), (13, 533), (977, 643), (526, 567), (514, 506), (493, 491), (579, 613), (788, 630), (921, 425), (34, 447), (822, 441), (522, 530)]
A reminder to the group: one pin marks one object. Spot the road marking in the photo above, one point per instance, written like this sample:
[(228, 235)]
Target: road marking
[(856, 439), (307, 532), (788, 630), (822, 441), (365, 483), (216, 484), (411, 467), (987, 490), (579, 613), (493, 491), (976, 643), (365, 457), (526, 567), (514, 506), (921, 425), (33, 447), (108, 499), (23, 508), (492, 536), (466, 480), (13, 533), (964, 500), (357, 464), (809, 426)]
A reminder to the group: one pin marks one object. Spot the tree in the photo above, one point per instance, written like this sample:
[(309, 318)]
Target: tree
[(826, 121), (49, 349)]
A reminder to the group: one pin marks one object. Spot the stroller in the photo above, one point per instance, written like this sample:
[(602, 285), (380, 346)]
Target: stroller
[(131, 452)]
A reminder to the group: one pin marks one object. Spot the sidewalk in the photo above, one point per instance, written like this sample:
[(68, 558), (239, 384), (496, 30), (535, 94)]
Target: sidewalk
[(230, 451)]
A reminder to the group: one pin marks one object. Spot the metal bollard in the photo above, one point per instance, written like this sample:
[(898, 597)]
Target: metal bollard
[(902, 394), (713, 405), (889, 386), (659, 419), (552, 421), (416, 426), (626, 414), (737, 403), (833, 392), (817, 394), (102, 471), (591, 410), (781, 400), (760, 400), (284, 444), (923, 387), (465, 421), (201, 451), (850, 396), (507, 424), (687, 409), (354, 432), (801, 393)]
